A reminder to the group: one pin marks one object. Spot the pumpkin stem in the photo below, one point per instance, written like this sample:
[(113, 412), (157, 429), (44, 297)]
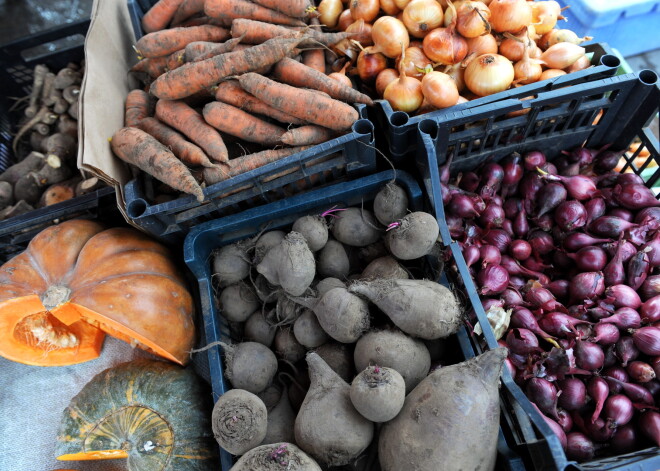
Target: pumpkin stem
[(54, 296)]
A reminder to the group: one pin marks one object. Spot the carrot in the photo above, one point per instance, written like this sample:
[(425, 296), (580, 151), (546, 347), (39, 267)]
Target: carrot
[(154, 67), (205, 20), (236, 122), (145, 152), (163, 43), (244, 9), (196, 76), (187, 9), (186, 151), (160, 15), (314, 58), (230, 92), (257, 32), (304, 104), (200, 50), (294, 8), (137, 107), (248, 162), (175, 60), (307, 135), (183, 118), (294, 73)]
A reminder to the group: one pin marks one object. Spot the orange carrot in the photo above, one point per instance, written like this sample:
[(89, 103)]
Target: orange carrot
[(230, 92), (248, 162), (183, 118), (196, 76), (154, 67), (175, 60), (294, 73), (145, 152), (304, 104), (236, 122), (160, 15), (314, 58), (186, 151), (200, 50), (244, 9), (257, 32), (165, 42), (294, 8), (187, 9), (205, 20), (137, 107), (307, 135)]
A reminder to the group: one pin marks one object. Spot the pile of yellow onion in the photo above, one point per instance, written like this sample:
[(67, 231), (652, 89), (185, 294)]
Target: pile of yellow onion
[(422, 55)]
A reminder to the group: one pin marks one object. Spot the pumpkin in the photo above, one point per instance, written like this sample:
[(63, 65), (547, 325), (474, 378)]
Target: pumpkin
[(154, 414), (76, 282)]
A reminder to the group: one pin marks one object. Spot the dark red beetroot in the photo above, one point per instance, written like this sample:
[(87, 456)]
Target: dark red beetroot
[(570, 215), (634, 196)]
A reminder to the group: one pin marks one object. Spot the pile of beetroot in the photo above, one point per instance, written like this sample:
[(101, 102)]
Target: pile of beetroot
[(570, 250)]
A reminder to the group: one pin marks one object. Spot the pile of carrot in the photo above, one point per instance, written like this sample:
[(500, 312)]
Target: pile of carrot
[(230, 86)]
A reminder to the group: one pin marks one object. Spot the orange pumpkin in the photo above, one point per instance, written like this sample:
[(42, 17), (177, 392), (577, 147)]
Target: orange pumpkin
[(76, 282)]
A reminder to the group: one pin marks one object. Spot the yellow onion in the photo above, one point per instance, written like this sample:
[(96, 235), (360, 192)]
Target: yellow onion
[(445, 45), (513, 46), (366, 10), (582, 63), (527, 70), (551, 73), (389, 36), (482, 45), (421, 16), (462, 99), (557, 36), (385, 77), (404, 93), (401, 4), (510, 15), (346, 48), (426, 107), (416, 43), (345, 20), (341, 76), (535, 52), (472, 19), (329, 11), (457, 74), (439, 89), (369, 64), (450, 13), (364, 32), (414, 63), (562, 55), (389, 7), (488, 74), (545, 15)]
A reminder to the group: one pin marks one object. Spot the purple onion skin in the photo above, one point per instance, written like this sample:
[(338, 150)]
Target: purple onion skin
[(589, 356), (626, 350), (549, 197), (559, 289), (653, 387), (619, 373), (462, 206), (507, 225), (623, 296), (534, 159), (541, 242), (640, 372), (559, 324), (521, 317), (606, 334), (512, 206), (579, 240), (650, 288), (647, 340), (564, 420), (624, 318), (586, 285), (529, 186), (489, 255), (492, 175), (556, 428), (649, 424), (579, 447), (596, 208), (469, 182), (648, 216), (521, 224), (590, 258), (492, 279), (629, 179), (625, 439), (635, 392), (522, 341), (517, 282), (622, 213), (471, 255), (499, 238), (573, 395), (545, 222), (652, 250), (634, 196), (513, 169), (544, 394), (492, 216), (570, 215), (655, 363), (520, 249), (610, 226), (618, 410), (627, 249), (614, 272), (511, 298), (637, 270), (598, 390)]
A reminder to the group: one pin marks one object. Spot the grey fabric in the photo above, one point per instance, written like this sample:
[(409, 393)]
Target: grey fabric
[(32, 400)]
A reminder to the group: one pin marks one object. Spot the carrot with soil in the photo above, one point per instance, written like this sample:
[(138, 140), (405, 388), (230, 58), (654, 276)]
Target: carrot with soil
[(175, 60), (200, 50), (257, 32), (183, 118), (160, 15), (154, 67), (314, 58), (294, 8), (137, 107), (297, 74), (244, 9), (230, 92), (186, 151), (145, 152), (307, 135), (196, 76), (304, 104), (187, 9), (165, 42), (236, 122)]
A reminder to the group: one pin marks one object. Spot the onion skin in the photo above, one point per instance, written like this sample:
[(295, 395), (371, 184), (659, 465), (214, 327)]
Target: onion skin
[(570, 215), (384, 78), (634, 196), (623, 296), (370, 64), (544, 394), (422, 16), (649, 423), (488, 74), (618, 410), (625, 439), (579, 447), (510, 15), (390, 35), (606, 334), (589, 356), (624, 318), (650, 310), (562, 55), (439, 89), (493, 279), (626, 350), (598, 390), (586, 285), (573, 394), (445, 46), (647, 340), (522, 341), (578, 240), (640, 372)]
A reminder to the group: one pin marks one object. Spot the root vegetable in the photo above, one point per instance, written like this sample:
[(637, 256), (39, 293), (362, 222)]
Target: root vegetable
[(230, 264), (307, 135), (59, 192), (266, 292), (421, 308), (88, 186), (286, 310), (236, 122), (287, 347), (166, 42), (239, 421), (314, 229), (276, 457), (202, 50), (378, 393), (160, 15), (333, 260), (233, 9), (6, 194), (27, 188), (449, 421), (281, 419), (339, 357), (66, 77), (65, 125), (413, 237), (265, 242), (250, 366), (19, 208), (40, 72), (290, 265), (238, 301), (327, 284), (136, 107), (390, 204), (258, 329), (59, 148), (308, 331), (384, 268), (394, 349), (356, 227), (71, 93), (327, 426)]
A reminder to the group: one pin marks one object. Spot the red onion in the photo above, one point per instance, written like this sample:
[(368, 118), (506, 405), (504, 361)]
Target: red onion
[(497, 237), (627, 249), (579, 447), (647, 340), (522, 341), (599, 430), (492, 175), (469, 182), (640, 372), (462, 206), (513, 169), (629, 179), (648, 216), (587, 285), (541, 242), (626, 350), (650, 288), (541, 298), (623, 296), (606, 334), (610, 226), (520, 249), (545, 222), (511, 297), (522, 317), (514, 268), (614, 272), (655, 363), (559, 324), (618, 373), (588, 355), (582, 155), (492, 279), (446, 193), (618, 410), (599, 312), (517, 282), (590, 258), (489, 255), (544, 394), (549, 197), (511, 207), (455, 225), (520, 224), (529, 186), (492, 216), (652, 250), (573, 394), (607, 160), (489, 303), (634, 196), (564, 420), (624, 439), (621, 213), (638, 269), (598, 390), (554, 426), (559, 289), (578, 240), (610, 355), (534, 159), (570, 215), (649, 424), (624, 318), (561, 261), (653, 387), (507, 225), (579, 187), (635, 392), (531, 263), (595, 208), (471, 255)]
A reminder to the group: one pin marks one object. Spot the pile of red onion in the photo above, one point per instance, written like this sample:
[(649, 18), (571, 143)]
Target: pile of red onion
[(572, 249)]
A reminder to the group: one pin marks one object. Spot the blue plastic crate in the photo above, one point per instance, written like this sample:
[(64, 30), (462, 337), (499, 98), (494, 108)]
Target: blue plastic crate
[(628, 25), (555, 121)]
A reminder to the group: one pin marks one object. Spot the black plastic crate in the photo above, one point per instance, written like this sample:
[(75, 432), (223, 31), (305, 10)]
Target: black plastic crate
[(400, 129), (205, 238), (555, 121)]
